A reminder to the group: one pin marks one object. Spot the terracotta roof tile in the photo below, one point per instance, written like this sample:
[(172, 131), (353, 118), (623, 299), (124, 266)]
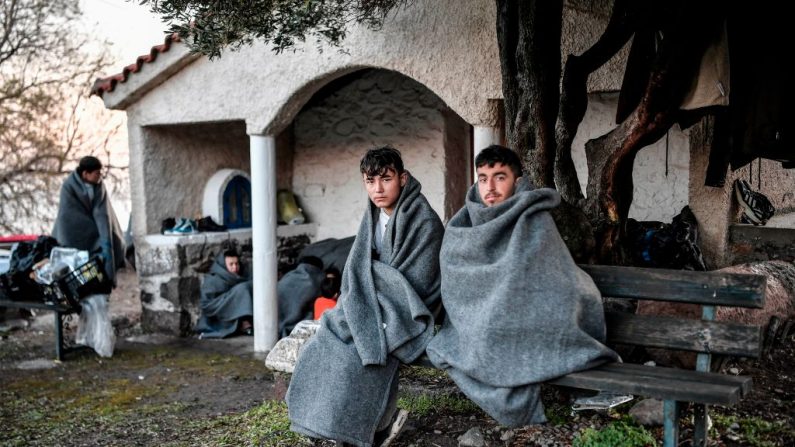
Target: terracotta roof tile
[(107, 84)]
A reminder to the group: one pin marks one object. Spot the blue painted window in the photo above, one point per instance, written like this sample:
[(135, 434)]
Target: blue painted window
[(237, 203)]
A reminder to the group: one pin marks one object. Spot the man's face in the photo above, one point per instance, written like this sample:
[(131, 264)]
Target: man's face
[(496, 184), (232, 264), (92, 177), (384, 190)]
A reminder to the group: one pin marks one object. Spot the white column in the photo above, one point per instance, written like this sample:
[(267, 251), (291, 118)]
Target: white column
[(263, 233), (484, 136)]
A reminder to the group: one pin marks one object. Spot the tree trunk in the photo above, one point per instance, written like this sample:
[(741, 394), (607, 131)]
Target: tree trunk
[(528, 35), (611, 157), (574, 92)]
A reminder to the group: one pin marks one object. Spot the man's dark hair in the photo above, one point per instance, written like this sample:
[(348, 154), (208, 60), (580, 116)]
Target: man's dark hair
[(378, 160), (231, 253), (499, 154), (88, 163), (311, 260), (330, 286)]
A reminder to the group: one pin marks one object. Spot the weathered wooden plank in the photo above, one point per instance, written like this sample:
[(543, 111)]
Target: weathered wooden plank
[(679, 387), (34, 305), (714, 337), (643, 372), (721, 289)]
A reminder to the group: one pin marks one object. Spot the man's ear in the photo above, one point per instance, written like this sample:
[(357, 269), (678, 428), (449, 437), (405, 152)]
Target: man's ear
[(404, 178), (516, 182)]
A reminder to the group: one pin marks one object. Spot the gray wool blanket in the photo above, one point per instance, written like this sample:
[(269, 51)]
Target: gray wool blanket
[(297, 291), (519, 310), (88, 224), (225, 298), (341, 384)]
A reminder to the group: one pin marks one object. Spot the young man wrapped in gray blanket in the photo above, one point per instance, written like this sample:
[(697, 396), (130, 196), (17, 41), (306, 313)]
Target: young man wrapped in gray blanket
[(519, 310), (344, 386)]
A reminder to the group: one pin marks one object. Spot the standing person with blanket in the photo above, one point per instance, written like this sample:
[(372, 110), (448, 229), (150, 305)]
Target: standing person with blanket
[(86, 220), (519, 310), (344, 386)]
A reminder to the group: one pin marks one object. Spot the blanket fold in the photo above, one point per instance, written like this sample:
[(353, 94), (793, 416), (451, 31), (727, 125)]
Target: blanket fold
[(297, 291), (340, 386), (519, 310)]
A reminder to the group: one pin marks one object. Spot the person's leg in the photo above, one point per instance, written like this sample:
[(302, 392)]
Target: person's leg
[(245, 326), (392, 420), (391, 406)]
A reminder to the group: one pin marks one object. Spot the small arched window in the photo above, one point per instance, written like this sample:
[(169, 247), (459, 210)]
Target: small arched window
[(227, 198), (237, 203)]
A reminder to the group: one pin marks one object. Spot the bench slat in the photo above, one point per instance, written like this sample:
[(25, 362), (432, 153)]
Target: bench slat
[(715, 288), (35, 305), (744, 382), (714, 337), (662, 383)]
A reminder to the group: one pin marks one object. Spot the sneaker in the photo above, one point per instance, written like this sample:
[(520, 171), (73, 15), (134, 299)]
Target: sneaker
[(167, 224), (208, 224), (756, 207), (184, 226), (385, 437)]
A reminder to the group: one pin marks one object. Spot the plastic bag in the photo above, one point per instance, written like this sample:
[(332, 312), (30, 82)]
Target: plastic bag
[(94, 328), (71, 257), (62, 261)]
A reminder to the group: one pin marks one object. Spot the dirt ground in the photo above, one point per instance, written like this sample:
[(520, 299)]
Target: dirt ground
[(159, 390)]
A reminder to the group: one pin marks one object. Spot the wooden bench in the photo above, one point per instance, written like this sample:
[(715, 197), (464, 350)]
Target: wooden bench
[(675, 387), (61, 312)]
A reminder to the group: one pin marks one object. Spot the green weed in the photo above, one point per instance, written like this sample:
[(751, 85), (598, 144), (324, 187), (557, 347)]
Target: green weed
[(755, 431), (266, 425), (623, 433), (424, 404)]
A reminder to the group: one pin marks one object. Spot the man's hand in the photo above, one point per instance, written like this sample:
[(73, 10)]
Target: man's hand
[(107, 255)]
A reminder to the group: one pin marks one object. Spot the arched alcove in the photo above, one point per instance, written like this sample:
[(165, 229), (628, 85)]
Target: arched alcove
[(227, 198), (365, 109)]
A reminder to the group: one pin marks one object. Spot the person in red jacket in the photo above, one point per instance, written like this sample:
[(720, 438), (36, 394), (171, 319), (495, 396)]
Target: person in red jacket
[(329, 292)]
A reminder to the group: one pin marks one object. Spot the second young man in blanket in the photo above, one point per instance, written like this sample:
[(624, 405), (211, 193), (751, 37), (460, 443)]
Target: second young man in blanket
[(519, 310), (344, 386)]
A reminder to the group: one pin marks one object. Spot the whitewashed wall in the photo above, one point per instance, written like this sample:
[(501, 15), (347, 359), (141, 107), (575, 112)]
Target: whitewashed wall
[(177, 163), (656, 196), (333, 133)]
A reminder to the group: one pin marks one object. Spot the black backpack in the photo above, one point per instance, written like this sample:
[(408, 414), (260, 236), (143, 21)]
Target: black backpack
[(16, 283)]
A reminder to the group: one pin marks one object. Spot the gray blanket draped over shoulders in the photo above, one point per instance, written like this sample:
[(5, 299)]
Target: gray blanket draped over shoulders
[(225, 297), (519, 310), (87, 224), (340, 386), (297, 291)]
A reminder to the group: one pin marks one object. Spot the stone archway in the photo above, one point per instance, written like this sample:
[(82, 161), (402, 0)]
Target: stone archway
[(365, 109)]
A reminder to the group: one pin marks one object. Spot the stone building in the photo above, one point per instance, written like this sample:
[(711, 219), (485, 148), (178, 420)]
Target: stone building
[(427, 83)]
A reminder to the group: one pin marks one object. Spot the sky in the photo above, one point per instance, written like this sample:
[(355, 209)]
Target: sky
[(130, 27), (132, 31)]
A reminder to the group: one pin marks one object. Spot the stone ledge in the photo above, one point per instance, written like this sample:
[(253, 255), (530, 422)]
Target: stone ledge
[(284, 355)]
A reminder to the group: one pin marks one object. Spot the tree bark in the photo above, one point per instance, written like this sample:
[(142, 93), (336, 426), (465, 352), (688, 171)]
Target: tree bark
[(528, 35), (611, 157), (574, 92)]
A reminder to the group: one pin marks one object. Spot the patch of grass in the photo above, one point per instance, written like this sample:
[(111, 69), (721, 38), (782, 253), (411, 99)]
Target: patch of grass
[(425, 404), (266, 425), (557, 414), (755, 431), (618, 433), (423, 373), (103, 399)]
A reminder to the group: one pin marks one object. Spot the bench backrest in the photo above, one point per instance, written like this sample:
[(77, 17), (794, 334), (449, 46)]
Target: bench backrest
[(707, 289)]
